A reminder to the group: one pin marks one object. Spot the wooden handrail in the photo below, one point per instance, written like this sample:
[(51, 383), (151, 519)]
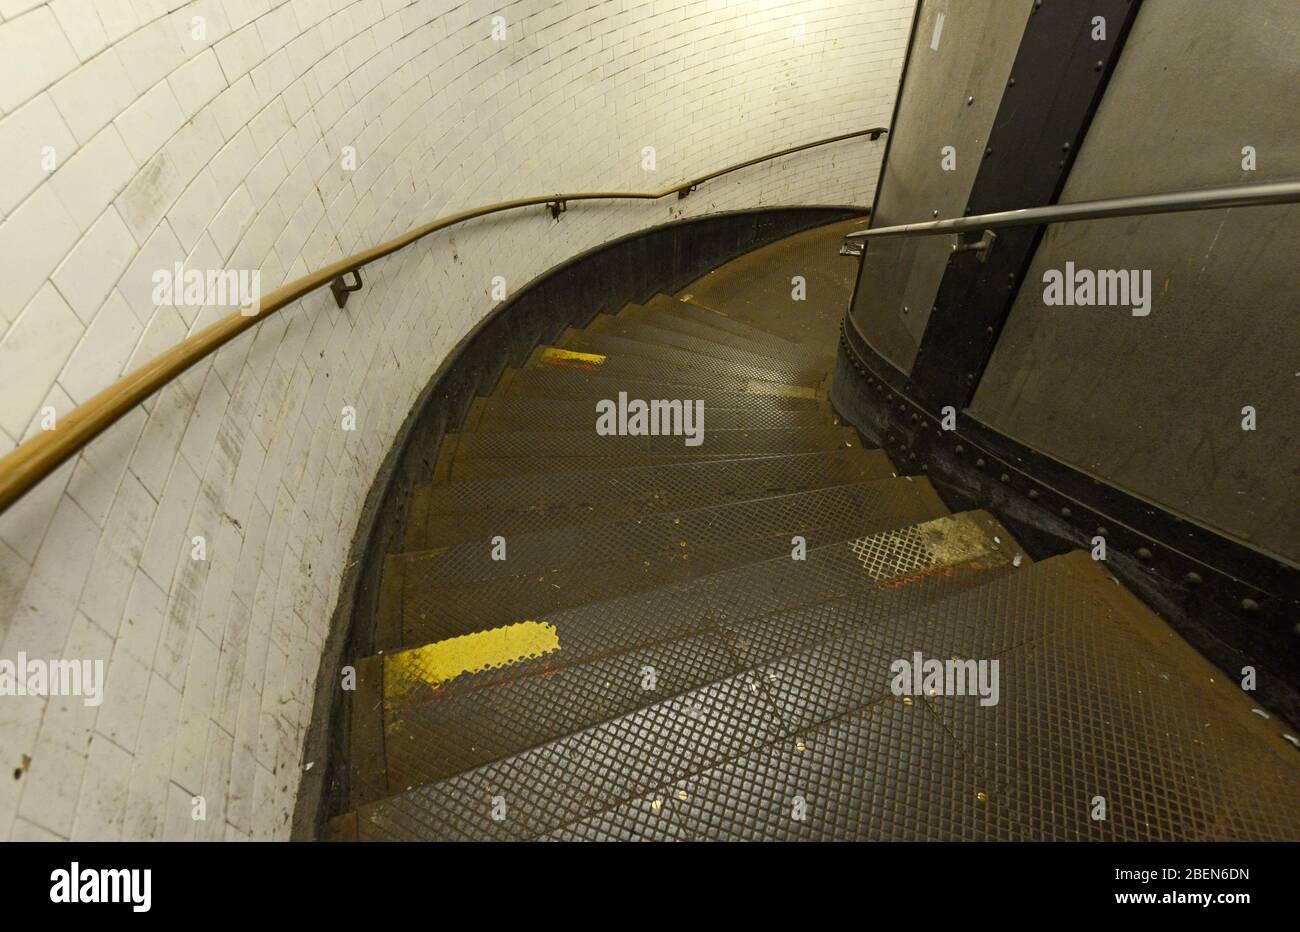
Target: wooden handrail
[(35, 459)]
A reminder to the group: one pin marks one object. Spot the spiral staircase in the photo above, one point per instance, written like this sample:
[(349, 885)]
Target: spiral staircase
[(590, 637)]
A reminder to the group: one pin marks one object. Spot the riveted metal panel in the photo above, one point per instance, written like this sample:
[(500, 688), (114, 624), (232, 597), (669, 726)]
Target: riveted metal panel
[(963, 51), (1153, 404)]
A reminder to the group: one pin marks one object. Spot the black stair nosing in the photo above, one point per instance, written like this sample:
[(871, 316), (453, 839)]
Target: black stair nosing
[(561, 382), (641, 332), (642, 490), (416, 610), (758, 341), (616, 347), (678, 714)]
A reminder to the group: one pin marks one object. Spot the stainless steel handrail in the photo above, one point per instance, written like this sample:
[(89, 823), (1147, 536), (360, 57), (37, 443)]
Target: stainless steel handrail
[(1243, 195)]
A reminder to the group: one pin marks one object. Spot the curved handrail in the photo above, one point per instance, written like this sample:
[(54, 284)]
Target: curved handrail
[(35, 459)]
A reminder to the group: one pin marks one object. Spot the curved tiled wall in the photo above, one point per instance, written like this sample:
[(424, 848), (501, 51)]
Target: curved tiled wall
[(137, 134)]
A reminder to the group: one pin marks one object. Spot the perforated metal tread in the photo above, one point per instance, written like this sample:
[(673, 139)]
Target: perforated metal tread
[(698, 371), (645, 335), (445, 514), (1099, 700), (432, 596), (894, 559), (567, 780), (1124, 709), (818, 747), (560, 382), (690, 530), (479, 456), (683, 636), (756, 341), (497, 414), (587, 773)]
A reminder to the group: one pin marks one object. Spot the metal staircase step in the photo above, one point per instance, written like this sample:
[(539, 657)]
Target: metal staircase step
[(691, 310), (568, 382), (497, 414), (648, 335), (479, 456), (676, 371), (454, 513), (433, 595), (755, 341), (818, 745), (616, 656), (728, 361), (1099, 700)]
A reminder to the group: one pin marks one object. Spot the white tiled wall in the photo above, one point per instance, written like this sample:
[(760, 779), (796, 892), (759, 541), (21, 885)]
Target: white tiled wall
[(225, 152)]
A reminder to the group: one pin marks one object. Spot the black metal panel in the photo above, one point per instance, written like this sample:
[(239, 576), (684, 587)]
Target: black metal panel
[(1236, 605), (1056, 83)]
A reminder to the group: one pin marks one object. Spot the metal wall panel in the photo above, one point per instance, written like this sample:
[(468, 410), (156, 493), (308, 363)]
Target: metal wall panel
[(1153, 404), (976, 45)]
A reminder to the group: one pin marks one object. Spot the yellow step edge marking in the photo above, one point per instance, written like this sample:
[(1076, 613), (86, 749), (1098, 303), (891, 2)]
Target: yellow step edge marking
[(433, 664), (564, 357)]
